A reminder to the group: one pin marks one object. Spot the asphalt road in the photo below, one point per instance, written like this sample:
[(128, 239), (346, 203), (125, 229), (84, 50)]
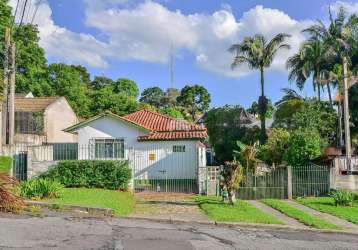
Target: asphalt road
[(67, 232)]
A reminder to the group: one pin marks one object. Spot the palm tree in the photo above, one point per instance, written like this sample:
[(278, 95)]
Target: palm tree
[(341, 36), (312, 59), (290, 94), (258, 53)]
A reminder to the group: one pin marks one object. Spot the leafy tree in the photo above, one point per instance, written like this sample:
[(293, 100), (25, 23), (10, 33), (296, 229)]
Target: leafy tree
[(284, 113), (31, 63), (65, 80), (254, 109), (274, 150), (152, 96), (100, 82), (118, 103), (196, 100), (172, 112), (170, 98), (258, 53), (127, 87), (226, 126), (304, 145), (353, 104), (318, 116)]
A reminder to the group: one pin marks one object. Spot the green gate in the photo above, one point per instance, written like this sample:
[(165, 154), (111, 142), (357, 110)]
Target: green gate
[(312, 180), (272, 184), (20, 166)]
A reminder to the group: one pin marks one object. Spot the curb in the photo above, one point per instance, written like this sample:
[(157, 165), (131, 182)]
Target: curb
[(239, 225), (95, 211)]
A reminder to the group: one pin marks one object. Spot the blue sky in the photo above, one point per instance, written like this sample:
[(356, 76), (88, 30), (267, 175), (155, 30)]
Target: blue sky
[(132, 39)]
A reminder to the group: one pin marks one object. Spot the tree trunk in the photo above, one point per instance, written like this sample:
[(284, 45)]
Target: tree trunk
[(262, 108), (346, 114), (330, 95), (232, 197), (318, 79)]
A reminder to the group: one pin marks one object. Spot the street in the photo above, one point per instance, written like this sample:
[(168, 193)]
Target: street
[(63, 231)]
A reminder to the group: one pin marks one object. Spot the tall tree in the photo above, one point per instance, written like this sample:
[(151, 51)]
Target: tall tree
[(312, 59), (258, 53), (127, 87), (153, 96), (196, 99), (100, 82), (65, 80)]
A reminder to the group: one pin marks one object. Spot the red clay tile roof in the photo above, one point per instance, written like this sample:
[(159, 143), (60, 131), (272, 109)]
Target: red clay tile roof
[(164, 127), (33, 104)]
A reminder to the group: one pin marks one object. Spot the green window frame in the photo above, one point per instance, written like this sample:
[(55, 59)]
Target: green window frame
[(109, 148)]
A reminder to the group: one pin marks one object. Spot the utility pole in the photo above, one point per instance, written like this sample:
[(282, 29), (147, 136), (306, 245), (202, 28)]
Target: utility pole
[(8, 108), (347, 135)]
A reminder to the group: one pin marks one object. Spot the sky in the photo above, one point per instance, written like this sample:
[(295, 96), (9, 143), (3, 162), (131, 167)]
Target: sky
[(135, 38)]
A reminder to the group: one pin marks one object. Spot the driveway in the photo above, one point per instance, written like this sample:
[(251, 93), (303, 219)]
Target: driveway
[(64, 231)]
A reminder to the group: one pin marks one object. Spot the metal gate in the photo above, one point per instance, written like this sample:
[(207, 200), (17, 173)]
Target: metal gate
[(20, 166), (312, 180), (165, 168), (272, 184)]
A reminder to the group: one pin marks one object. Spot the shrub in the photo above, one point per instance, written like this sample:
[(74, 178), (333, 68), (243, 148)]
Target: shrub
[(91, 174), (303, 146), (5, 164), (273, 151), (41, 188), (9, 202), (343, 198)]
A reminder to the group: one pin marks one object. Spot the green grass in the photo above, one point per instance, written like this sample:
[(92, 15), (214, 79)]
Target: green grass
[(240, 212), (121, 202), (299, 215), (5, 164), (326, 205)]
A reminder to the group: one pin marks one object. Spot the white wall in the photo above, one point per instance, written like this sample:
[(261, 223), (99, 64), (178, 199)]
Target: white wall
[(107, 127), (177, 165), (58, 116)]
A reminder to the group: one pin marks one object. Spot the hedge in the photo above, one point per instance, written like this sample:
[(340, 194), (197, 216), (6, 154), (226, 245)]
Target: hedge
[(91, 174), (5, 164)]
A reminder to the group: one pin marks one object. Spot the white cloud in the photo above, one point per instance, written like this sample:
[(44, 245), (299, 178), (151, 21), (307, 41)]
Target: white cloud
[(146, 30), (350, 7)]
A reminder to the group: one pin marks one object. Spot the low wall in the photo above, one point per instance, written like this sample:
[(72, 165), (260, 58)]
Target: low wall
[(348, 182), (35, 168)]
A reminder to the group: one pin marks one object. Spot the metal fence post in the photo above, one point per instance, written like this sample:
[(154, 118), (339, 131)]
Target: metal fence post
[(289, 182)]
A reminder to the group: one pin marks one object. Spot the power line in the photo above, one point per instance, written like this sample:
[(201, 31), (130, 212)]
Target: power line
[(23, 12), (14, 17), (35, 12), (28, 12)]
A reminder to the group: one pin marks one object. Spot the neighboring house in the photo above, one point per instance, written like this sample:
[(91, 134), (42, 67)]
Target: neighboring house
[(160, 147), (41, 120)]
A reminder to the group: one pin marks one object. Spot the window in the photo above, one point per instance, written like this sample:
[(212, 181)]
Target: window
[(109, 148), (29, 122), (178, 148)]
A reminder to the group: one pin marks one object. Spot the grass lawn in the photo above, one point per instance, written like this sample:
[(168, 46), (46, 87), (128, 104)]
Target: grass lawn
[(326, 205), (299, 215), (240, 212), (121, 202)]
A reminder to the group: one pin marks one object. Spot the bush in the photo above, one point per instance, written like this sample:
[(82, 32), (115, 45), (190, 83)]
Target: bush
[(343, 198), (91, 174), (303, 146), (9, 202), (5, 164), (276, 146), (41, 188)]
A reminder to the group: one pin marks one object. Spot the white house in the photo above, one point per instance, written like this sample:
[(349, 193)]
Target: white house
[(160, 148)]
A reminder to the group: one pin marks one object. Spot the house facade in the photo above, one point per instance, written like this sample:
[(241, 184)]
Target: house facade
[(159, 147), (41, 120)]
